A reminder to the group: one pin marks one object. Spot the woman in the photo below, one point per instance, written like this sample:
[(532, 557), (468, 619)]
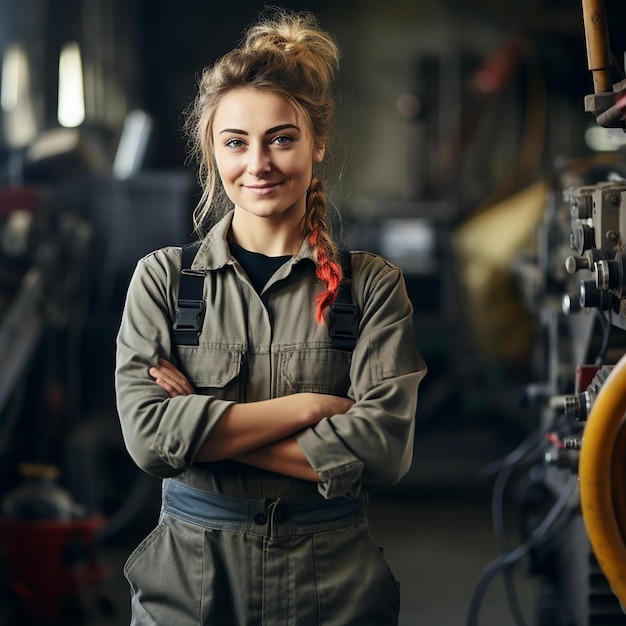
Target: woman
[(267, 435)]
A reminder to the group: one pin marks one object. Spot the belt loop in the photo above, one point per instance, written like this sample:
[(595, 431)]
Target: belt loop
[(164, 489), (271, 510)]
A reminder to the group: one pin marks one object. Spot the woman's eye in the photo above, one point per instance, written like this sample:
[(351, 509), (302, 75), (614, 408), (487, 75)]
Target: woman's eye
[(234, 143), (282, 139)]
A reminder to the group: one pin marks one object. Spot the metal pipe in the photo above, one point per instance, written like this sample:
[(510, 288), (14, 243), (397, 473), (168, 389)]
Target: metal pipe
[(614, 116), (596, 473), (19, 332), (599, 59)]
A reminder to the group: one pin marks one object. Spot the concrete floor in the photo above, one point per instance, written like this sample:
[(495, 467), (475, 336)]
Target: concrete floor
[(438, 547)]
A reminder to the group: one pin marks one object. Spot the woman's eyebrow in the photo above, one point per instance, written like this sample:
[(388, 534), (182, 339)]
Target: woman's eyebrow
[(269, 131)]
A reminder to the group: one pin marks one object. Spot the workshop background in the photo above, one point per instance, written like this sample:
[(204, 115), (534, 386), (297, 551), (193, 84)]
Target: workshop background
[(475, 149)]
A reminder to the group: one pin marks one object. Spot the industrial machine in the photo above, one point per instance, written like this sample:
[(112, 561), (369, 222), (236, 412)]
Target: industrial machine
[(571, 507), (68, 243)]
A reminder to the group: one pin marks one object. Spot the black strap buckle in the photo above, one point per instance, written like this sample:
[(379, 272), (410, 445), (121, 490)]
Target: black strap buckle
[(343, 325), (188, 323)]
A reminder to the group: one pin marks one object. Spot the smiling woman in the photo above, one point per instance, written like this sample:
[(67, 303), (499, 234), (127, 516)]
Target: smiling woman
[(268, 433), (265, 162)]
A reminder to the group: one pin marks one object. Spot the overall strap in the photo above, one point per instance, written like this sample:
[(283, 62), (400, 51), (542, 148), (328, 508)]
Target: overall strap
[(343, 322), (190, 306), (343, 318)]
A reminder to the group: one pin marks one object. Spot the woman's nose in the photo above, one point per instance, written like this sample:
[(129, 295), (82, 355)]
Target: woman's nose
[(259, 161)]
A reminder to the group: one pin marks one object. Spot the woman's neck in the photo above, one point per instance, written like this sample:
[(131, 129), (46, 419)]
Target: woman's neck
[(264, 235)]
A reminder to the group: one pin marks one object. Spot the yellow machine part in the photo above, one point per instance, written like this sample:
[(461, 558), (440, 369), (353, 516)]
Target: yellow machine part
[(602, 473)]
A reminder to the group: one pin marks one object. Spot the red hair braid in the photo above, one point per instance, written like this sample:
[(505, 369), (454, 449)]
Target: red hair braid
[(327, 265), (329, 272)]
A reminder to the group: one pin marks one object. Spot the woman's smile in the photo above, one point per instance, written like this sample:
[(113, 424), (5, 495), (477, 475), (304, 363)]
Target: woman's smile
[(263, 190), (264, 154)]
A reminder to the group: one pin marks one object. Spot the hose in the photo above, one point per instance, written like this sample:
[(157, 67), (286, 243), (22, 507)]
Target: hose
[(618, 477), (598, 468)]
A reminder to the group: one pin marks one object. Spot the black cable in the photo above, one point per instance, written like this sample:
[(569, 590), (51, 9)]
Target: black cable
[(509, 463), (606, 337), (505, 467), (505, 561), (512, 457)]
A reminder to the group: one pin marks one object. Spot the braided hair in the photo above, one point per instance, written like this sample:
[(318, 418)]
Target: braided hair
[(288, 53)]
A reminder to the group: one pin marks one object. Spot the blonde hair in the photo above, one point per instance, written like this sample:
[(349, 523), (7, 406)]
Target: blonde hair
[(288, 53)]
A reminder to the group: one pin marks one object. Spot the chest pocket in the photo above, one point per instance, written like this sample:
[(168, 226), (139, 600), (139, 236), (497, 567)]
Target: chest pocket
[(317, 370), (213, 370)]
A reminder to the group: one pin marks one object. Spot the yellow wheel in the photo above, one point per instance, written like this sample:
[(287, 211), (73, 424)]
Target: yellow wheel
[(603, 480)]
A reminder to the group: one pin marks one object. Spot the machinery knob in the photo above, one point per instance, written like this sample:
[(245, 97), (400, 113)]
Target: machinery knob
[(570, 304), (583, 238), (603, 274), (573, 443), (565, 458), (582, 207), (592, 297), (609, 275), (572, 405), (578, 406), (575, 263)]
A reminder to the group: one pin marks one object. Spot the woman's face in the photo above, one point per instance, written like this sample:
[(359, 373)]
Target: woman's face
[(264, 153)]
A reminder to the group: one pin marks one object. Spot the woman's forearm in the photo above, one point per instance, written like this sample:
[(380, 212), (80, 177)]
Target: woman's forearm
[(247, 426), (283, 457)]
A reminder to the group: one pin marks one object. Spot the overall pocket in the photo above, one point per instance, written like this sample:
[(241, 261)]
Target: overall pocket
[(314, 369), (213, 369)]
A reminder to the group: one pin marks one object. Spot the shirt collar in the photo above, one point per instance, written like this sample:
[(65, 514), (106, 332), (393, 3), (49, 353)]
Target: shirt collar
[(214, 252)]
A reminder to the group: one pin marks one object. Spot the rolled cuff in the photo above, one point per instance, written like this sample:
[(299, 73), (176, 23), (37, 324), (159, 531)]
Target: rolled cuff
[(178, 443), (341, 472)]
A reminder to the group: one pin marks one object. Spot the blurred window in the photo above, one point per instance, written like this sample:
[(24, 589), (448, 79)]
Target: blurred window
[(19, 124), (71, 106)]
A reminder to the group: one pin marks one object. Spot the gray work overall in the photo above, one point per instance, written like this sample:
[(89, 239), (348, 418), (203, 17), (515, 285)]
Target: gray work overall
[(237, 545), (225, 561)]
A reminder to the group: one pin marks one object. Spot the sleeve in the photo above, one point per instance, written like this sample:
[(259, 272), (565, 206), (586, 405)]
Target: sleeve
[(162, 434), (371, 446)]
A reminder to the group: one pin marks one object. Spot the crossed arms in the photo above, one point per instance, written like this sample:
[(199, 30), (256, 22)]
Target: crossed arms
[(259, 433)]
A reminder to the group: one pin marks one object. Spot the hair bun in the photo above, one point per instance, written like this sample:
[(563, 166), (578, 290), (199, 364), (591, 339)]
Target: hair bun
[(296, 34)]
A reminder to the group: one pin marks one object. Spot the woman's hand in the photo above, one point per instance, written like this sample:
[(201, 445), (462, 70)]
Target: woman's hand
[(170, 378), (312, 406)]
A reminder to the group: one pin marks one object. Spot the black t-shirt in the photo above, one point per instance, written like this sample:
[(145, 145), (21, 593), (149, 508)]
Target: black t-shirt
[(257, 266)]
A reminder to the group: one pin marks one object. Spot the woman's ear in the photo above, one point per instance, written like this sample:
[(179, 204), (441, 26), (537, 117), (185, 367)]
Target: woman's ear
[(320, 151)]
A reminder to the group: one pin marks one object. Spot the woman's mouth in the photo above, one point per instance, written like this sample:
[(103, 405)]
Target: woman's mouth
[(262, 190)]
